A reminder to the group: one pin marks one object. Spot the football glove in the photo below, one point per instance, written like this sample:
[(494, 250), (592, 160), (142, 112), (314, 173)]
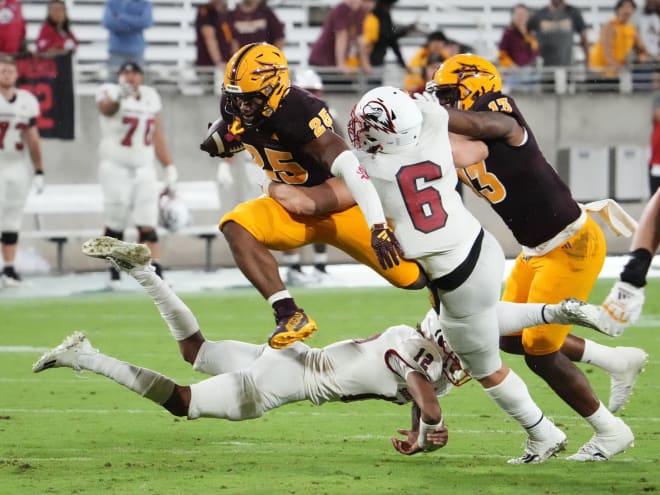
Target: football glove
[(38, 182), (622, 307), (219, 141), (385, 245)]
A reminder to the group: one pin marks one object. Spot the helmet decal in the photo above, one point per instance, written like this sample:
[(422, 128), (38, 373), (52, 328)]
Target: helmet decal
[(377, 115)]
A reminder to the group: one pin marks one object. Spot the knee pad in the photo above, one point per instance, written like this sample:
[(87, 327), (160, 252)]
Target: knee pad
[(9, 238), (147, 235), (116, 234)]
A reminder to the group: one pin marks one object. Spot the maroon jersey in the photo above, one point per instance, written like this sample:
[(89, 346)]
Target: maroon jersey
[(276, 144), (521, 186), (207, 15), (254, 27)]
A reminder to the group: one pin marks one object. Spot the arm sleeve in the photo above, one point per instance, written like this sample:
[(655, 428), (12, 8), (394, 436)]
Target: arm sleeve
[(347, 167)]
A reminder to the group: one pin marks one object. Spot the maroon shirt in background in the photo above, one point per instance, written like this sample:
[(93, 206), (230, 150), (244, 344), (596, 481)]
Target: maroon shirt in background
[(207, 15), (52, 38), (340, 18), (513, 42), (255, 27)]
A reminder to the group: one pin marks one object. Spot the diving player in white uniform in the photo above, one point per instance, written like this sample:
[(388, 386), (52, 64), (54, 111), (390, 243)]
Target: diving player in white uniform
[(410, 161), (20, 149), (131, 136)]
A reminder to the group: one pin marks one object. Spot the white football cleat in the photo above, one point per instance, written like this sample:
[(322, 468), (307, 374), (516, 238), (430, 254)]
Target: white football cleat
[(124, 255), (66, 354), (538, 451), (603, 447), (572, 311), (622, 382), (621, 308), (299, 278)]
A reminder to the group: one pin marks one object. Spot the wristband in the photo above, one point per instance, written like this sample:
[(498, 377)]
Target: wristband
[(425, 428)]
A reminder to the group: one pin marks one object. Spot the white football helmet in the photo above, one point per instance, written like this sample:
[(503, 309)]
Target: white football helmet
[(173, 213), (384, 120)]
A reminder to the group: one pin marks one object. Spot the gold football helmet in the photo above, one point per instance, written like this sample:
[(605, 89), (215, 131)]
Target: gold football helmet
[(463, 78), (256, 80)]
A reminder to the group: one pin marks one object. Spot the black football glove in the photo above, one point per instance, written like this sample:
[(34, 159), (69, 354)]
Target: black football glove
[(220, 142), (386, 246)]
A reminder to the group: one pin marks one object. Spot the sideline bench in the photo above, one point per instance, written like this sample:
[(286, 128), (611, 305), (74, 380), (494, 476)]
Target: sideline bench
[(74, 211)]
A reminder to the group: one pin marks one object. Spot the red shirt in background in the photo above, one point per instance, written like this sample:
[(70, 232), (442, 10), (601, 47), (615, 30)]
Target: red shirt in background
[(52, 38), (12, 26), (340, 18)]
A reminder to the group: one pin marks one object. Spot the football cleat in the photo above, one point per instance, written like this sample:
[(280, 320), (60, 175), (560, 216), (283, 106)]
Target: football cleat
[(538, 451), (66, 354), (125, 255), (622, 307), (603, 447), (298, 278), (572, 311), (292, 328), (622, 382)]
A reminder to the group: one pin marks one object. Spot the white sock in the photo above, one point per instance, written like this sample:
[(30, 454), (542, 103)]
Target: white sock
[(512, 396), (600, 355), (513, 317), (278, 296), (180, 320), (147, 383), (320, 258), (603, 421), (291, 259)]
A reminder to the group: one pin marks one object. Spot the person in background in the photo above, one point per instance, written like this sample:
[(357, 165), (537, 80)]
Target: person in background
[(213, 34), (252, 21), (517, 47), (12, 27), (648, 27), (618, 38), (131, 137), (435, 47), (654, 162), (379, 33), (338, 45), (554, 26), (55, 36), (126, 21), (20, 147)]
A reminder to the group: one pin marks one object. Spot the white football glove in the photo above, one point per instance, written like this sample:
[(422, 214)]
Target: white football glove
[(621, 308), (38, 183), (224, 175), (171, 176)]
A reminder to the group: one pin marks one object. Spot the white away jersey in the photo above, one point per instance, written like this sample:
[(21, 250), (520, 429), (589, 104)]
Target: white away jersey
[(126, 137), (417, 187), (15, 117), (373, 368)]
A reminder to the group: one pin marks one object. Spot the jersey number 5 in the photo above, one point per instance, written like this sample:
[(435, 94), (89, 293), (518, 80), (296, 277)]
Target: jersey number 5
[(423, 202)]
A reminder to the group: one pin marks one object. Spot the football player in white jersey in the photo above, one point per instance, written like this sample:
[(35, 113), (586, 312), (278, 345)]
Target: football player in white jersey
[(399, 365), (20, 162), (131, 136)]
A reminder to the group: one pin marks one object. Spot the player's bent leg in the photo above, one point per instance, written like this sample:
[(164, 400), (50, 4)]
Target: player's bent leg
[(225, 356), (232, 396)]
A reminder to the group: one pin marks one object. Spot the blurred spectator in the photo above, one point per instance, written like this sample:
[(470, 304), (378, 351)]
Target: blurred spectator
[(379, 33), (553, 27), (518, 47), (213, 34), (648, 26), (654, 162), (616, 42), (55, 36), (252, 21), (338, 45), (12, 27), (436, 47), (126, 21)]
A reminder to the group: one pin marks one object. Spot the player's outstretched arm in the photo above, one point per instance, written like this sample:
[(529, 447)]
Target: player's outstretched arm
[(486, 125), (333, 195)]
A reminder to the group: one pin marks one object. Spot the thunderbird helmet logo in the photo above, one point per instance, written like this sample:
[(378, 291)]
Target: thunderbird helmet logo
[(378, 116)]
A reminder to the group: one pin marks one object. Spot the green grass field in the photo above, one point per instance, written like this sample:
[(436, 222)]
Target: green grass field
[(63, 432)]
